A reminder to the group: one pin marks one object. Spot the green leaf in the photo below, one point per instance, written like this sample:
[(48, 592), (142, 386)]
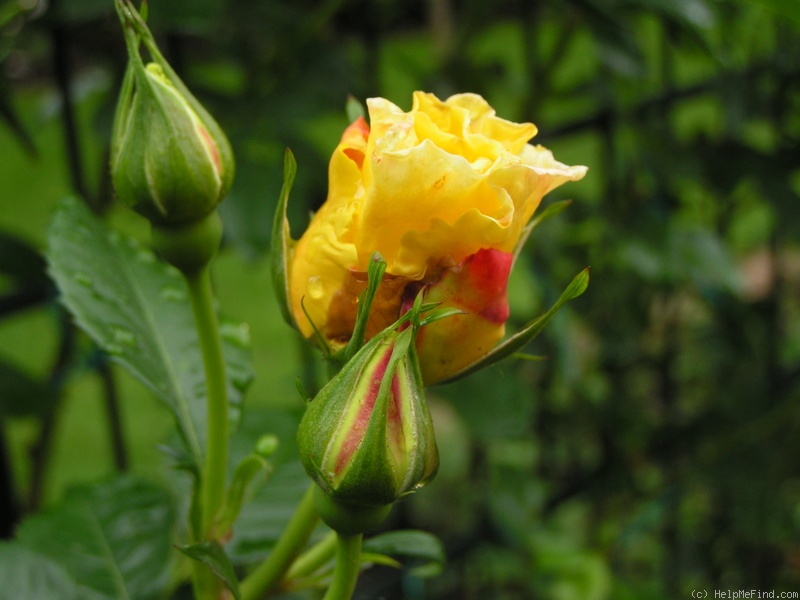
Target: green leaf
[(263, 519), (243, 476), (137, 309), (507, 348), (211, 553), (418, 546), (27, 574), (22, 394), (112, 538), (282, 241), (373, 558), (355, 109)]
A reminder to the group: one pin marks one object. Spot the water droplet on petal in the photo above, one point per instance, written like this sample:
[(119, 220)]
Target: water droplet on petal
[(316, 289)]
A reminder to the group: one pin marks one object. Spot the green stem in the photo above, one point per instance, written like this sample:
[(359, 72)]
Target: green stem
[(310, 561), (216, 456), (269, 573), (348, 557)]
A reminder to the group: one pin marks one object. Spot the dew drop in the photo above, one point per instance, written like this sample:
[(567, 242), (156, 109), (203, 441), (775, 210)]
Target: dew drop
[(83, 278), (172, 294), (145, 257), (123, 336), (316, 289), (237, 334), (81, 232)]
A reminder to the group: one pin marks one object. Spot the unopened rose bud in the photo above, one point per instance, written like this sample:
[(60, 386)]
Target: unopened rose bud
[(367, 438), (170, 160)]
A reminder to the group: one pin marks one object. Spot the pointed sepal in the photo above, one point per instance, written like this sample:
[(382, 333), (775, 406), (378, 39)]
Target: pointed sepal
[(282, 243), (533, 328)]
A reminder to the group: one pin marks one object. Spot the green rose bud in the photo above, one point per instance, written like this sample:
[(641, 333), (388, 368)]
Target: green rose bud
[(170, 160), (367, 438)]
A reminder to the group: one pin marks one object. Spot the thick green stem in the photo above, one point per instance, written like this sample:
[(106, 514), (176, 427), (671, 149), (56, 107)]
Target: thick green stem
[(294, 538), (214, 477), (348, 555)]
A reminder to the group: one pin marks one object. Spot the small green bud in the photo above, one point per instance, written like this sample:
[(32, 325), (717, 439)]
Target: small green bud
[(170, 160), (267, 445), (367, 438)]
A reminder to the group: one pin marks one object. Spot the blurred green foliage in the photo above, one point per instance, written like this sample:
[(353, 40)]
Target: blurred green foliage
[(653, 453)]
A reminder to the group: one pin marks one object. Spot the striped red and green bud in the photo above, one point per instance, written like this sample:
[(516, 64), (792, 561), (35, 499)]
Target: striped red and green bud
[(367, 438), (170, 160)]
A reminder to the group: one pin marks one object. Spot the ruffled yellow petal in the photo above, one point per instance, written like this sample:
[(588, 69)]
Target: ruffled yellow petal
[(323, 257), (412, 189), (319, 271), (465, 124)]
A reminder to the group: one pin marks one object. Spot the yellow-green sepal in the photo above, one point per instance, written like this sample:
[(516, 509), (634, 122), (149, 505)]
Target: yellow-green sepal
[(281, 244)]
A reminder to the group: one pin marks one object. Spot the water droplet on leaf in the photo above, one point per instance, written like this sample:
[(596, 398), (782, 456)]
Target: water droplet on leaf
[(237, 334), (83, 278), (123, 336), (146, 257), (173, 294)]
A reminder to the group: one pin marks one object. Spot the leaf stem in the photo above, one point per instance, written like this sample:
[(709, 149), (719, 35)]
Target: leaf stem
[(307, 563), (269, 573), (216, 455), (348, 555)]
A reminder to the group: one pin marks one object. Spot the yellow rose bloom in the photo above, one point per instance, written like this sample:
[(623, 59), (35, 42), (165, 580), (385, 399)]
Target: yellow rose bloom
[(443, 192)]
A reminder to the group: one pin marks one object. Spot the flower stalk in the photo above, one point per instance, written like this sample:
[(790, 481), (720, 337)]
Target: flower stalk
[(345, 575), (172, 163), (269, 573), (217, 430)]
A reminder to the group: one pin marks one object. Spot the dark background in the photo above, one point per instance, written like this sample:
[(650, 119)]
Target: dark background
[(654, 452)]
